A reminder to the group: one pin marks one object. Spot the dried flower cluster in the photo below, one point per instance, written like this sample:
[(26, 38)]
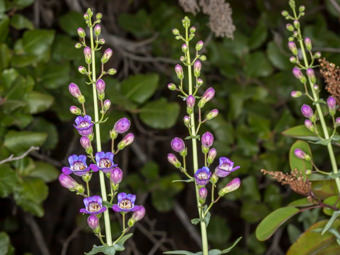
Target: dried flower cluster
[(220, 15), (331, 74)]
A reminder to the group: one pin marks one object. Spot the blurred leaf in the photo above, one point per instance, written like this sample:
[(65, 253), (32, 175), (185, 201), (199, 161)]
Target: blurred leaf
[(333, 201), (44, 171), (150, 171), (257, 65), (253, 211), (162, 201), (273, 221), (311, 241), (159, 114), (5, 56), (138, 24), (19, 21), (218, 231), (300, 132), (293, 232), (297, 163), (5, 244), (324, 189), (4, 23), (38, 102), (277, 57), (71, 21), (250, 188), (55, 75), (18, 141), (42, 125), (272, 196), (259, 35), (140, 87), (63, 49), (8, 180), (38, 41), (30, 194), (20, 4)]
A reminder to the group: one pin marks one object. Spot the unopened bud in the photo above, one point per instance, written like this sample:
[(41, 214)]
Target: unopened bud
[(93, 222), (212, 114), (179, 71), (311, 75), (74, 90), (75, 110), (116, 175), (112, 71), (197, 68), (230, 187), (87, 55), (203, 193), (172, 86), (207, 96), (126, 141), (290, 27), (190, 100), (106, 105), (81, 32), (184, 48), (106, 56), (331, 102), (173, 160), (100, 85), (211, 155), (186, 120), (82, 70), (292, 59), (308, 43), (292, 48), (295, 93), (307, 111), (97, 30), (199, 45), (122, 125), (175, 31), (85, 142), (301, 154)]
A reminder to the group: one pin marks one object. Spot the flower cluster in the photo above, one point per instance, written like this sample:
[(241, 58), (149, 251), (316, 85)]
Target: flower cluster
[(196, 106), (101, 162)]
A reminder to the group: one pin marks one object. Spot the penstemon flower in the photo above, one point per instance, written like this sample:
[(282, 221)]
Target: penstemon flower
[(204, 180), (97, 207)]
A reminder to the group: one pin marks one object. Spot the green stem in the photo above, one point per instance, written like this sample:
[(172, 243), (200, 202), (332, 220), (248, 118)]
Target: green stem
[(98, 141), (320, 114), (123, 219), (204, 236)]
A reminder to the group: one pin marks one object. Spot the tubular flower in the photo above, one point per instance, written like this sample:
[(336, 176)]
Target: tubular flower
[(202, 176), (93, 205), (84, 125), (126, 203), (225, 167), (104, 162), (77, 166)]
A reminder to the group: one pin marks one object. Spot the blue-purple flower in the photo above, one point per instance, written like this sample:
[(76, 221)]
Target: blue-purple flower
[(126, 203), (104, 162), (84, 125), (202, 176), (225, 167), (77, 166), (93, 205)]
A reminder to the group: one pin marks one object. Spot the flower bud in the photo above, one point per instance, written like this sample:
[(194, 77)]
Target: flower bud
[(212, 114), (179, 71), (309, 125), (307, 111), (116, 175), (295, 94), (106, 105), (106, 56), (197, 68), (292, 59), (302, 8), (284, 13), (199, 82), (122, 125), (308, 43), (214, 179), (139, 213), (173, 160), (298, 75), (175, 31), (112, 71), (203, 58), (301, 154), (93, 222), (296, 24), (177, 144), (203, 193), (101, 41), (69, 183), (190, 100), (331, 102), (77, 45), (87, 54), (337, 121), (317, 54), (207, 96), (82, 70), (172, 86), (230, 187), (186, 120), (292, 48), (100, 85), (290, 27), (199, 45), (184, 47), (211, 155), (75, 110), (192, 30), (85, 142), (113, 134), (81, 32), (97, 30), (311, 75), (74, 90), (126, 141), (207, 141)]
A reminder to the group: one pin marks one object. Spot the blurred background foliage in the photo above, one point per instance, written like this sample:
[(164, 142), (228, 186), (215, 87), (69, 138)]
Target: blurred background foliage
[(252, 76)]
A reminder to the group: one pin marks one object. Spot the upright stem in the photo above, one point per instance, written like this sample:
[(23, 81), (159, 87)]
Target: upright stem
[(321, 117), (204, 236), (98, 140)]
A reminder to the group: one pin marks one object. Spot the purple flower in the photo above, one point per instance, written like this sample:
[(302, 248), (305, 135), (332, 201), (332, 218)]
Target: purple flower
[(230, 187), (173, 160), (202, 176), (301, 154), (116, 175), (77, 166), (104, 162), (179, 71), (74, 90), (177, 144), (225, 167), (122, 125), (126, 203), (207, 96), (331, 102), (93, 205), (67, 182), (106, 56), (197, 68), (309, 124), (84, 125), (292, 48), (307, 111), (139, 213), (100, 85), (311, 75), (308, 43), (93, 221), (207, 139), (190, 100), (85, 142), (203, 192)]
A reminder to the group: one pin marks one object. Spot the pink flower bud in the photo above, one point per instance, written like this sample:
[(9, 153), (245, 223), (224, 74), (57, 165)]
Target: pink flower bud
[(100, 85), (199, 45), (307, 111), (207, 96), (106, 56), (190, 101), (107, 104), (292, 48), (186, 120), (230, 187), (172, 86), (309, 124), (87, 54), (177, 144), (75, 110), (207, 139), (116, 175), (203, 192), (297, 73), (179, 71), (82, 70), (308, 43), (85, 142), (311, 75), (173, 160), (197, 68), (81, 32), (212, 114), (127, 140), (74, 90), (337, 121), (184, 47), (139, 213), (97, 30), (211, 155), (301, 154), (199, 82), (295, 94), (331, 102), (122, 125), (67, 182), (93, 221)]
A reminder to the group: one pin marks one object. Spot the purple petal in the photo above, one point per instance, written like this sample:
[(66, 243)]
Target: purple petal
[(131, 197), (99, 156), (121, 196), (83, 210), (94, 168), (66, 170), (82, 158), (116, 208), (72, 159)]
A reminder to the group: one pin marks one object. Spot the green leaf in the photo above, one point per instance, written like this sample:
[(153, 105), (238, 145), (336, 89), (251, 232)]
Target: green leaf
[(302, 202), (20, 4), (253, 211), (42, 125), (218, 231), (19, 21), (138, 24), (324, 189), (257, 65), (160, 114), (8, 180), (4, 24), (38, 41), (55, 75), (18, 141), (150, 171), (330, 222), (259, 35), (44, 171), (71, 21), (180, 252), (273, 221), (311, 241), (232, 246), (5, 244), (30, 195), (108, 250), (195, 221), (38, 102), (297, 163), (277, 57), (334, 201), (5, 56), (140, 87), (300, 132)]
